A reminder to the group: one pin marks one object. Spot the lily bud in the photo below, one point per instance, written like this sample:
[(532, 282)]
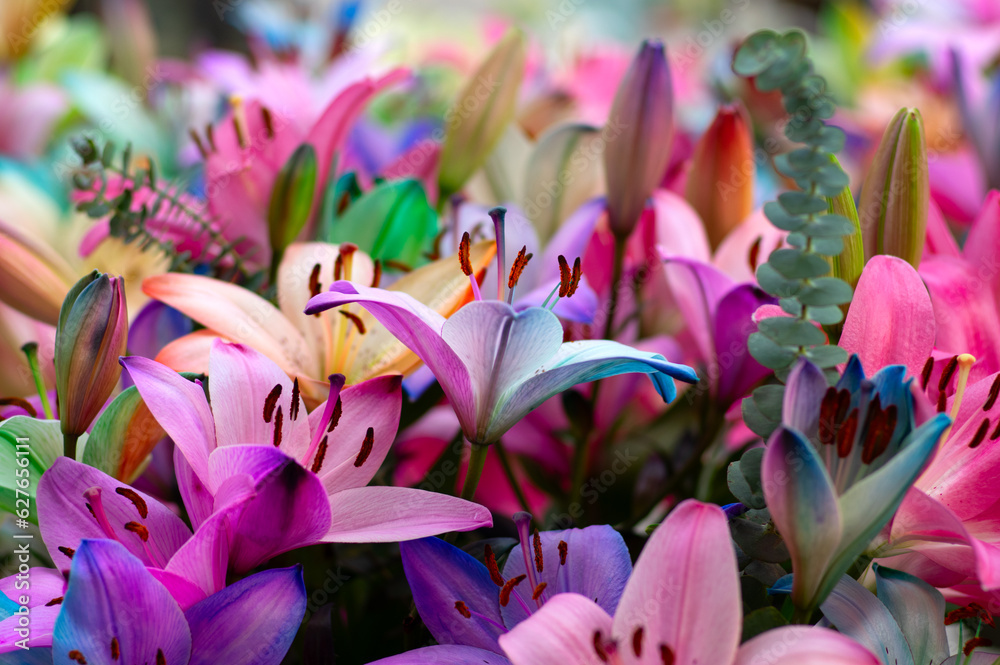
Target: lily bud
[(483, 109), (896, 192), (851, 261), (720, 183), (292, 198), (90, 337), (639, 133), (33, 280)]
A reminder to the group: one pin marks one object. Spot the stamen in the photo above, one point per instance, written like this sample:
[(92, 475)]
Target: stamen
[(338, 409), (198, 144), (160, 658), (942, 402), (666, 655), (827, 416), (355, 319), (377, 274), (994, 393), (980, 434), (265, 115), (754, 254), (508, 588), (846, 434), (338, 267), (491, 565), (497, 215), (463, 609), (925, 374), (115, 649), (210, 135), (366, 447), (965, 362), (20, 403), (97, 510), (346, 257), (996, 432), (637, 641), (138, 529), (947, 373), (320, 454), (599, 647), (871, 429), (565, 276), (68, 551), (537, 593), (575, 279), (77, 657), (537, 543), (975, 643), (463, 255), (397, 265), (271, 401), (137, 501), (563, 551), (518, 267), (279, 419), (239, 120), (314, 283), (293, 411), (55, 601)]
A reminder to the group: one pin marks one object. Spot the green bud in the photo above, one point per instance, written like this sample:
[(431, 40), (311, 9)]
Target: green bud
[(292, 198)]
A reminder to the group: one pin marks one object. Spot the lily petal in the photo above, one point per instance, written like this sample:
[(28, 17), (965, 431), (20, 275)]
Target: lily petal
[(858, 613), (445, 655), (561, 632), (914, 603), (802, 645), (806, 386)]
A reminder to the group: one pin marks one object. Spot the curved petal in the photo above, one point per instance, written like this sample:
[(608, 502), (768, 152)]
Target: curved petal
[(390, 514), (915, 605), (803, 505), (738, 371), (679, 229), (445, 655), (685, 592), (697, 287), (563, 631), (112, 597), (891, 320), (441, 576), (804, 392), (804, 645), (857, 613), (251, 622), (189, 353)]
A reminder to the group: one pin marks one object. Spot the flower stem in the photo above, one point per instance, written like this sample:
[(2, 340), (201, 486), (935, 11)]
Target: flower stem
[(31, 351), (511, 478), (477, 460), (69, 445), (801, 616), (616, 276)]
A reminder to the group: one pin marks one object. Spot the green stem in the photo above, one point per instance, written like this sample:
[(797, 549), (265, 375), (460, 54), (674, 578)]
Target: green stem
[(511, 478), (477, 460), (69, 445), (802, 617), (31, 351), (616, 276)]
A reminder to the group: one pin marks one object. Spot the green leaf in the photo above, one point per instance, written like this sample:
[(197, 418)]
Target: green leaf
[(759, 541), (791, 306), (768, 353), (829, 226), (42, 441), (830, 180), (826, 356), (828, 246), (774, 283), (826, 291), (830, 139), (292, 197), (744, 481), (757, 53), (781, 218), (827, 315), (762, 620), (802, 203), (758, 423), (787, 331), (797, 264), (769, 400)]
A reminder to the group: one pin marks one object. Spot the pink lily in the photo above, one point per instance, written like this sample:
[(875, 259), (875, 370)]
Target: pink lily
[(681, 606), (257, 429)]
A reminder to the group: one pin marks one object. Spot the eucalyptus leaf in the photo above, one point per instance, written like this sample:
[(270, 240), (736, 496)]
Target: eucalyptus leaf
[(826, 291), (788, 331), (768, 353)]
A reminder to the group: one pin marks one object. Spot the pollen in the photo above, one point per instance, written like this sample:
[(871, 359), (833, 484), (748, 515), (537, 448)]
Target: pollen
[(518, 267), (270, 402), (115, 649), (137, 501), (293, 411), (68, 551), (537, 593), (265, 115), (463, 609), (563, 551), (464, 259), (537, 546), (565, 277), (980, 434), (366, 447), (994, 393), (314, 283), (947, 373), (138, 529), (925, 374), (491, 565), (637, 642), (77, 657), (355, 319), (508, 588), (279, 419), (320, 454), (338, 409)]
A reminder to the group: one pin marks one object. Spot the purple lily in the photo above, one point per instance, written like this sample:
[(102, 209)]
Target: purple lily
[(253, 458), (495, 364), (115, 611)]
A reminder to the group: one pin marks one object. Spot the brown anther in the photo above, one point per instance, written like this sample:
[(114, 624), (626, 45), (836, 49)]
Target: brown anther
[(846, 434), (980, 434), (160, 658), (397, 265), (537, 546), (537, 593), (947, 373), (265, 115), (68, 551), (599, 649), (137, 501), (925, 374), (518, 267), (338, 409), (827, 416), (320, 454), (463, 609), (565, 277), (210, 135), (563, 550), (198, 144), (55, 601), (314, 284), (975, 643), (508, 587), (491, 565), (279, 420), (138, 529), (338, 267), (91, 509), (271, 401), (875, 438), (574, 281), (983, 614), (995, 434), (240, 137), (666, 655), (20, 403), (355, 319), (376, 274), (366, 447), (77, 657), (958, 614), (994, 393), (942, 402), (115, 649), (464, 249), (293, 410), (637, 642), (754, 254)]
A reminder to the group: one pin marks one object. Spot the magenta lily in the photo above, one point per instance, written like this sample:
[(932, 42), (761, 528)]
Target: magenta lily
[(255, 447)]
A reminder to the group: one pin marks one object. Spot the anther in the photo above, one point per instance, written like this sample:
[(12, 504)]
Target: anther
[(366, 447), (574, 282), (376, 274), (925, 374), (666, 655), (210, 135), (947, 373), (980, 434), (827, 416), (599, 647), (637, 642), (994, 393), (518, 267), (345, 258), (846, 433), (68, 551), (138, 529), (237, 104), (491, 565), (320, 454), (464, 259), (160, 658), (537, 593), (463, 609), (942, 402), (77, 657), (537, 544), (137, 501), (314, 283), (754, 254), (115, 649), (279, 420), (293, 410), (508, 587), (338, 409), (271, 401), (565, 276), (265, 115), (995, 434), (55, 601), (563, 550), (355, 319), (975, 643), (198, 144)]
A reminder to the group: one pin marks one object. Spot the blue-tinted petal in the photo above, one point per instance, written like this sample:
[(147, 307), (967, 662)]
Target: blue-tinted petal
[(853, 375), (857, 613), (445, 655), (917, 608), (804, 393)]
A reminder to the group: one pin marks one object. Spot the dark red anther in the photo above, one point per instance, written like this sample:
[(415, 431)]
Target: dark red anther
[(574, 281), (565, 277), (876, 437), (293, 410), (160, 658), (338, 267), (137, 501), (265, 115), (210, 135), (279, 420), (846, 434), (355, 319), (366, 447), (376, 274), (338, 409), (518, 267), (995, 434), (980, 434), (983, 614), (754, 254), (464, 249), (667, 655), (508, 587), (537, 546), (55, 601), (563, 550), (77, 657), (947, 373), (138, 529), (942, 402), (314, 284), (994, 393), (828, 416), (958, 614), (602, 654), (925, 374), (491, 565), (115, 649), (537, 593), (68, 551), (270, 402), (975, 643), (320, 454), (463, 609), (637, 642), (198, 144)]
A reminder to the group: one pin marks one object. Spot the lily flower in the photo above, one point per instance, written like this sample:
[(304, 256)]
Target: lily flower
[(494, 364), (256, 443), (115, 611), (681, 605), (308, 348), (837, 469)]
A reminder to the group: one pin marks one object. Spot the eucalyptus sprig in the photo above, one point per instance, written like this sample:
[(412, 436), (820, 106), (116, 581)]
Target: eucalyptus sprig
[(800, 275)]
